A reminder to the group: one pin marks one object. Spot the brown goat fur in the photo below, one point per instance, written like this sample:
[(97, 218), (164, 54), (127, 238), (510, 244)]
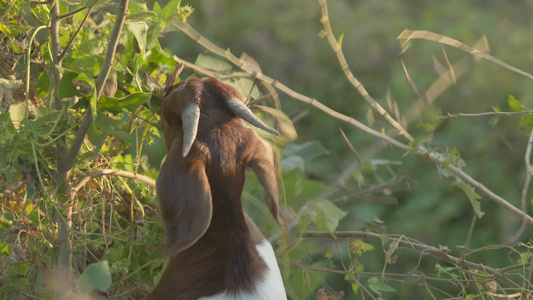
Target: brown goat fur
[(211, 241)]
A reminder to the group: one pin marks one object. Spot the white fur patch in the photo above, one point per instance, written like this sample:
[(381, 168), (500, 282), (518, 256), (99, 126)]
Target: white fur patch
[(269, 288)]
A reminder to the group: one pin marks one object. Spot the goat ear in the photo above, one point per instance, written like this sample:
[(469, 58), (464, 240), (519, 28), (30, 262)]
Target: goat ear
[(185, 202), (265, 165)]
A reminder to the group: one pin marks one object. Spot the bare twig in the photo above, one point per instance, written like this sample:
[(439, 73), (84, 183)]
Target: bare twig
[(352, 148), (484, 114), (407, 35), (436, 89), (194, 67), (525, 188), (351, 78), (527, 160), (137, 177), (450, 67), (413, 85), (469, 236)]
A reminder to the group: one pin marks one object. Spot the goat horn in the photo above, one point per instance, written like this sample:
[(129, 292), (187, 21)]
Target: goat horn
[(241, 110), (190, 118)]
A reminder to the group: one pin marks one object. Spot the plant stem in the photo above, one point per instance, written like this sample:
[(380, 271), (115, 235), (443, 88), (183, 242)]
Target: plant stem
[(100, 80)]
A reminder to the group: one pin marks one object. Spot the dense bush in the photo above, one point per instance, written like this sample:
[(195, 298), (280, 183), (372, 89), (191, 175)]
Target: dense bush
[(423, 193)]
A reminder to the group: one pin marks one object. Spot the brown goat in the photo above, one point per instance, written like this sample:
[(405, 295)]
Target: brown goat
[(216, 251)]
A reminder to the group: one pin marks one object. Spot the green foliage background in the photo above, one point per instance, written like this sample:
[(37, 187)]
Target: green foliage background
[(116, 230)]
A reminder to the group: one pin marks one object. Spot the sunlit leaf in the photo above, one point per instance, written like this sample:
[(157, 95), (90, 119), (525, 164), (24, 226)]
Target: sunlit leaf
[(378, 286), (339, 40), (525, 257), (473, 197), (168, 11), (355, 287), (514, 104), (308, 151), (328, 215), (212, 62), (95, 276), (139, 30), (129, 103)]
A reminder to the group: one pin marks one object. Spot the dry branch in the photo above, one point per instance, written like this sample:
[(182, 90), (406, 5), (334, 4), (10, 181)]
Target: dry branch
[(137, 177)]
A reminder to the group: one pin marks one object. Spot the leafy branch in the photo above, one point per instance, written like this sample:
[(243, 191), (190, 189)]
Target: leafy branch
[(419, 150)]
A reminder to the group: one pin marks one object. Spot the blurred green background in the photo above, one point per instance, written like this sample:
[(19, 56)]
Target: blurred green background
[(283, 37)]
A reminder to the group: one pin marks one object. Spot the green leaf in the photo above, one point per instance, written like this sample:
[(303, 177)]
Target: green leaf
[(17, 113), (116, 105), (143, 16), (327, 215), (107, 124), (66, 88), (45, 115), (525, 258), (308, 151), (355, 287), (157, 8), (40, 283), (384, 241), (339, 40), (139, 30), (359, 247), (168, 11), (284, 123), (212, 62), (526, 123), (291, 163), (95, 276), (5, 249), (514, 104), (378, 286), (159, 57), (473, 197), (152, 35), (245, 86)]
